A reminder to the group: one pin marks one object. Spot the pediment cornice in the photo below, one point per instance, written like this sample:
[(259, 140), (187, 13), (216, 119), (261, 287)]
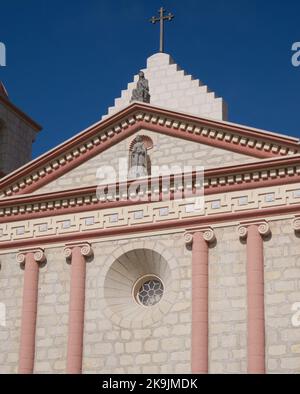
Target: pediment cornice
[(137, 116), (272, 172)]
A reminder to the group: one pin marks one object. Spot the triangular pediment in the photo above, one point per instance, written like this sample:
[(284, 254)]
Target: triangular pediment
[(210, 143), (164, 152)]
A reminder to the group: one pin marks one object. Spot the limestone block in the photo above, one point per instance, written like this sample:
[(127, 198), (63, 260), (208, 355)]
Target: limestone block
[(165, 76)]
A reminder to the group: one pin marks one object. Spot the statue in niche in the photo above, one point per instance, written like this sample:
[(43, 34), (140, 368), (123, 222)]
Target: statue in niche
[(138, 159), (141, 93)]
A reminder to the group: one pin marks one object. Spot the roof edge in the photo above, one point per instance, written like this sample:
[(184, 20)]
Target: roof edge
[(21, 114), (136, 107)]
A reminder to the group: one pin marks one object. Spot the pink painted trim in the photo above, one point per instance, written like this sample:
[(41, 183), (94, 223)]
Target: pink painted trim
[(253, 152), (130, 131), (199, 304), (29, 314), (76, 312), (162, 129), (243, 130), (253, 184), (60, 150), (163, 225), (86, 207), (255, 297), (209, 173), (277, 162), (66, 211), (125, 134), (116, 138)]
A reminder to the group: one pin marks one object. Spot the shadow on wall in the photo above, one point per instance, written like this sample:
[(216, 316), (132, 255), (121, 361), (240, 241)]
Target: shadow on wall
[(126, 278)]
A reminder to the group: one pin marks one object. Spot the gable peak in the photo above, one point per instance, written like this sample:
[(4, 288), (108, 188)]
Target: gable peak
[(171, 87)]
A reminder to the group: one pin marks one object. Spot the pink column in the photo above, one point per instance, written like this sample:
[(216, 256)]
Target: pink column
[(29, 308), (255, 295), (199, 241), (78, 254)]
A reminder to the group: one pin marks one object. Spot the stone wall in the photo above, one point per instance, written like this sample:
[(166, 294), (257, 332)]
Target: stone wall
[(11, 291), (162, 344), (157, 347), (16, 139), (53, 311), (282, 290), (227, 303)]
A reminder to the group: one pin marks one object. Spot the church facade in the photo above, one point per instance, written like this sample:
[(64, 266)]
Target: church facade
[(193, 270)]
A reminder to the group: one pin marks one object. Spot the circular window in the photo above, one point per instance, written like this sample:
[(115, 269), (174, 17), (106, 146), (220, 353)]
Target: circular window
[(148, 290)]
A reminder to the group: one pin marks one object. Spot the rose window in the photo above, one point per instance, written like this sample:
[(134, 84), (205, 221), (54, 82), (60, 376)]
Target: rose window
[(149, 292)]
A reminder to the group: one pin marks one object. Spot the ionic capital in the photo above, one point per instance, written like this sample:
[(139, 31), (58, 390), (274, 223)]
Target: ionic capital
[(207, 232), (262, 226), (85, 249), (38, 255), (296, 223)]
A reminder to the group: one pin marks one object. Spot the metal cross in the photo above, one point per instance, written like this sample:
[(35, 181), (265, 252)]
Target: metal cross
[(162, 18)]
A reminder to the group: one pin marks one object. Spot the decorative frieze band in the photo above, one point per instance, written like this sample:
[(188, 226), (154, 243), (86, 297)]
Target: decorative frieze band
[(150, 190), (283, 200)]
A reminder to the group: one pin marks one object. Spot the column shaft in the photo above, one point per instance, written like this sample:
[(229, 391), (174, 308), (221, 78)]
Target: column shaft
[(76, 312), (29, 314), (255, 290), (199, 304)]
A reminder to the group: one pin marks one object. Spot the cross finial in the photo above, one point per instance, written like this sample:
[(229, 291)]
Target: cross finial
[(162, 18)]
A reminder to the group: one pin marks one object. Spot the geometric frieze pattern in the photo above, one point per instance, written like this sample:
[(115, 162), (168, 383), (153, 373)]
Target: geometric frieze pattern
[(153, 189), (155, 212)]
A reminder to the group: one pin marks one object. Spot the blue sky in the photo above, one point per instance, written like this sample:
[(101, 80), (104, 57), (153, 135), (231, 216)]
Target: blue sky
[(68, 60)]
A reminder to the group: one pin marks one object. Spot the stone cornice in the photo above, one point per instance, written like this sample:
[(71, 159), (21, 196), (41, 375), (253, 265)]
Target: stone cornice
[(245, 177), (107, 133)]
